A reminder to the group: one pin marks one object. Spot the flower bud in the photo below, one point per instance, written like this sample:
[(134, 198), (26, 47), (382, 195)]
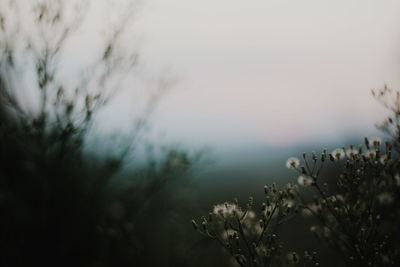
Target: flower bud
[(366, 141)]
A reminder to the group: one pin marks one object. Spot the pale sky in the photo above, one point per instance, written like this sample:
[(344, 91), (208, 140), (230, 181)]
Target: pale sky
[(268, 72), (278, 72)]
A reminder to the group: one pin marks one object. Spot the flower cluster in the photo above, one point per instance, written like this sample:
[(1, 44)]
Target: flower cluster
[(227, 210), (355, 211), (354, 217), (249, 236)]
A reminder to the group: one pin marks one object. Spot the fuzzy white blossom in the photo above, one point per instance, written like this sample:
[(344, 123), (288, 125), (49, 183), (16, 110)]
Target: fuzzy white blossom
[(338, 154), (251, 215), (288, 203), (384, 159), (351, 153), (370, 154), (397, 179), (227, 210), (292, 163), (314, 208), (305, 180), (270, 211), (227, 233), (375, 142), (292, 257)]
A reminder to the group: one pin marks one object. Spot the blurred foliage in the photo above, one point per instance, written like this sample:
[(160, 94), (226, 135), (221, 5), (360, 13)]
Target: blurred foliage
[(61, 205)]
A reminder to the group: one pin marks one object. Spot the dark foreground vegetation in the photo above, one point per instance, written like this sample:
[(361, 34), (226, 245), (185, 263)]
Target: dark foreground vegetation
[(61, 202)]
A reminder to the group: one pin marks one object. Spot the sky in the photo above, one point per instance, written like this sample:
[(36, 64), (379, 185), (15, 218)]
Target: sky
[(278, 73), (259, 72)]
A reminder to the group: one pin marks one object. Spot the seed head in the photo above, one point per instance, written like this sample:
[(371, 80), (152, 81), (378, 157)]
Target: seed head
[(305, 180), (338, 154), (292, 163), (351, 153)]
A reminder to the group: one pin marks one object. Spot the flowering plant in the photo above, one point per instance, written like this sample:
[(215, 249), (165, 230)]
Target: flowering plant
[(355, 212), (250, 237)]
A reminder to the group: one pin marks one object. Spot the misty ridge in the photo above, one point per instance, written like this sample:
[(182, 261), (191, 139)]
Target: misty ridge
[(74, 194)]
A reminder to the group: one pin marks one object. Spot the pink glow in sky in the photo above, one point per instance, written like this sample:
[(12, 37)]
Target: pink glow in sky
[(275, 72)]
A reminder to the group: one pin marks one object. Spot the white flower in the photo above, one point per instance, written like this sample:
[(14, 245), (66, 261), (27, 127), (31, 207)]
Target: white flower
[(397, 179), (292, 257), (288, 203), (291, 186), (268, 211), (370, 154), (251, 215), (292, 163), (227, 233), (227, 210), (351, 153), (385, 198), (305, 180), (384, 159), (338, 154), (375, 142), (314, 207)]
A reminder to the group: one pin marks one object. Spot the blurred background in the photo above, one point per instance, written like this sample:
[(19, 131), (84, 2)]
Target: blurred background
[(268, 74), (220, 94)]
